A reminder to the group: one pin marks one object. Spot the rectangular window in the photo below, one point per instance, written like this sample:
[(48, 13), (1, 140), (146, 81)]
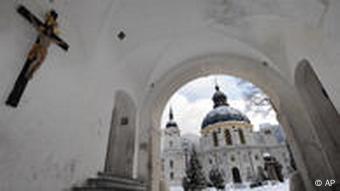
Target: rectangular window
[(171, 163), (227, 137), (215, 139)]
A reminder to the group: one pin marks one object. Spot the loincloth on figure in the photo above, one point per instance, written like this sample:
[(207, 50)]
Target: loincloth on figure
[(37, 56)]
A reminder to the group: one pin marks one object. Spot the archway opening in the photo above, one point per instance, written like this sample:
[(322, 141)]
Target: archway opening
[(284, 97), (231, 124)]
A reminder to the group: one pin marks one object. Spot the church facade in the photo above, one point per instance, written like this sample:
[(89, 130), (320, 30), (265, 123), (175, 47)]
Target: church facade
[(228, 143)]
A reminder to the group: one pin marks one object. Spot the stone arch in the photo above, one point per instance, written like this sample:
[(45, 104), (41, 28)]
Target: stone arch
[(121, 144), (323, 114), (283, 94)]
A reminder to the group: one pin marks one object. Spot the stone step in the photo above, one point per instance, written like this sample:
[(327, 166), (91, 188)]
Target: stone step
[(103, 188), (108, 182), (110, 177), (87, 188)]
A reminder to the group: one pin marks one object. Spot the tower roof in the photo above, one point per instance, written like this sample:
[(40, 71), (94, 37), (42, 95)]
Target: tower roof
[(171, 122)]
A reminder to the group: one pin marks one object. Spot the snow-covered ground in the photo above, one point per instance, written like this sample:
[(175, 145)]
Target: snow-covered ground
[(230, 187)]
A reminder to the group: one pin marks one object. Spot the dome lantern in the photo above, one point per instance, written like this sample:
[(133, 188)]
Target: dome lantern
[(219, 98), (222, 112)]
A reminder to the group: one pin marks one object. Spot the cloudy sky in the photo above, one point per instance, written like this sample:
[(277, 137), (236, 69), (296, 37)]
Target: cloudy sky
[(193, 101)]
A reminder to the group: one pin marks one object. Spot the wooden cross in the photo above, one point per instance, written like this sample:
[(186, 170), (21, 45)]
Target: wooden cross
[(48, 31)]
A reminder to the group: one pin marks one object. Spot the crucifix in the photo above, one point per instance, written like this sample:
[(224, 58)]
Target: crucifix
[(47, 34)]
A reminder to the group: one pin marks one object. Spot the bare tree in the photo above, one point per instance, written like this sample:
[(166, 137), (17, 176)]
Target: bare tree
[(256, 100)]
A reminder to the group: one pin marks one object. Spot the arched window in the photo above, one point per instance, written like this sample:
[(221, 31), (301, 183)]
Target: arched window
[(171, 163), (215, 139), (171, 175), (267, 132), (242, 138), (227, 137), (236, 175)]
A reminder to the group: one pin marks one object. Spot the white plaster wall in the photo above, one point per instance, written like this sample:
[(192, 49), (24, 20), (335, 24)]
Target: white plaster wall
[(58, 134), (320, 45)]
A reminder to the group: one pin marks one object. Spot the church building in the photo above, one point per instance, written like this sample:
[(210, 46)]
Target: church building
[(228, 142)]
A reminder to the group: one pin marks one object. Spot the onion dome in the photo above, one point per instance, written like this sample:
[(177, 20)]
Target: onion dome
[(171, 122), (222, 112)]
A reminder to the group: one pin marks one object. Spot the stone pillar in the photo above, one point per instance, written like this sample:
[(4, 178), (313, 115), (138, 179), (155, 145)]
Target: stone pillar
[(296, 183), (119, 167), (306, 147), (163, 186), (323, 115), (155, 159), (149, 163), (121, 144), (143, 154)]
